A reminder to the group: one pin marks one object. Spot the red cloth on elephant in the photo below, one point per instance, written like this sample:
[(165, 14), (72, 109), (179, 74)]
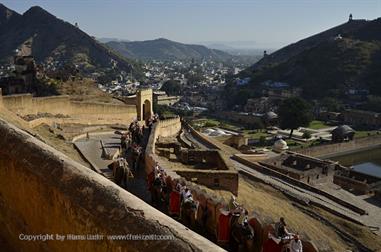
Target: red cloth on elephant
[(271, 246), (174, 203), (224, 228)]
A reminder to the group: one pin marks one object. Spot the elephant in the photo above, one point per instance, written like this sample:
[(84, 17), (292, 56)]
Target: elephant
[(189, 209), (121, 172), (242, 234)]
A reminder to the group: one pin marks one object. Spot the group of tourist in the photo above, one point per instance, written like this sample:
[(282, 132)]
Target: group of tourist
[(136, 132), (236, 209), (159, 182), (181, 198), (151, 120)]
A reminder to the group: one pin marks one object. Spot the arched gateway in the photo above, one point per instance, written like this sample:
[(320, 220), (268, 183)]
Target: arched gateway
[(144, 104)]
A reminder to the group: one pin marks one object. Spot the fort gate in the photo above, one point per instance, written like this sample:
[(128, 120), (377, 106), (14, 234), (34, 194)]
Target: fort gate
[(144, 104)]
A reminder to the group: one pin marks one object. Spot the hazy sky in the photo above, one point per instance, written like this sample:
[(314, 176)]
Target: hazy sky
[(265, 24)]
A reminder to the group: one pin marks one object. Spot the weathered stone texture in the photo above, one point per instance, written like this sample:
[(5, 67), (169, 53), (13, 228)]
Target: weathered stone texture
[(44, 192)]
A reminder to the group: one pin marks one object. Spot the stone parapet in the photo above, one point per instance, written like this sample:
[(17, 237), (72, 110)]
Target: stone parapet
[(44, 192)]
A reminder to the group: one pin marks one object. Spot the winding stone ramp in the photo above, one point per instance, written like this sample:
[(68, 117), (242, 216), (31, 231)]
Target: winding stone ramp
[(91, 150)]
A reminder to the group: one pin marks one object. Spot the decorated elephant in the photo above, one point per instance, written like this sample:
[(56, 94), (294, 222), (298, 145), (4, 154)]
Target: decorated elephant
[(242, 234), (189, 211), (121, 172)]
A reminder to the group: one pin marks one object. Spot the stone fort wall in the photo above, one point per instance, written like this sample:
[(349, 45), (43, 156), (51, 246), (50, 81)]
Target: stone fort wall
[(79, 112), (27, 104), (329, 150), (44, 192)]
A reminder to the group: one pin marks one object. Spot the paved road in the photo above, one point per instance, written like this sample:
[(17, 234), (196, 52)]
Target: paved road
[(91, 149)]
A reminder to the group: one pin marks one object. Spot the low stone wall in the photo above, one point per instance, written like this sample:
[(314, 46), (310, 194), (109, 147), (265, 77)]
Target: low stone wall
[(200, 137), (213, 158), (79, 112), (350, 184), (330, 150), (17, 102), (44, 192), (84, 108), (25, 104), (169, 127), (225, 180)]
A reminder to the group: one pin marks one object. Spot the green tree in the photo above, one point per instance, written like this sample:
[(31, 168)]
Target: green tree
[(331, 103), (306, 135), (294, 113), (172, 87), (373, 104)]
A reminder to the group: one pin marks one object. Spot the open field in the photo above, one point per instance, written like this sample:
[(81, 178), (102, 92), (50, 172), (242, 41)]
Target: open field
[(315, 124), (366, 133)]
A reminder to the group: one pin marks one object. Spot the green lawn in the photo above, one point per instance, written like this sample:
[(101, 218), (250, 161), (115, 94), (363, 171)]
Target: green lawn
[(317, 125), (255, 134), (212, 122), (365, 133)]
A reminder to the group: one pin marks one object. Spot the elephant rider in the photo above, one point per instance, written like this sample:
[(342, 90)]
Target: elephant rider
[(281, 230), (185, 194), (157, 182), (247, 230), (296, 244), (243, 218), (156, 169), (233, 205)]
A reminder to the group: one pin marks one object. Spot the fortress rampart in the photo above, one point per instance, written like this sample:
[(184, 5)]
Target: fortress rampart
[(44, 192), (79, 112)]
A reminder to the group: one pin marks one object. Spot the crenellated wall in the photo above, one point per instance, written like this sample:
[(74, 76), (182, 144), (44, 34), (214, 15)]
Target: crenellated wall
[(44, 192)]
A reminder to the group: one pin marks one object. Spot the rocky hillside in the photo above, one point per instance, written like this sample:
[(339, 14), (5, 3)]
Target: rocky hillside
[(46, 37), (164, 49), (345, 57)]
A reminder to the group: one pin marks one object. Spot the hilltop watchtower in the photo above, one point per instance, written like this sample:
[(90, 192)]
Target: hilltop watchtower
[(144, 104)]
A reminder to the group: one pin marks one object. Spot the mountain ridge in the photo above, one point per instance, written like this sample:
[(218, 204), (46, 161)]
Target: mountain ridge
[(284, 53), (52, 38), (329, 63), (165, 49)]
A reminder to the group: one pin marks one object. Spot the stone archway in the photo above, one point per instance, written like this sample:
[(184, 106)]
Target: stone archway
[(144, 104), (147, 113)]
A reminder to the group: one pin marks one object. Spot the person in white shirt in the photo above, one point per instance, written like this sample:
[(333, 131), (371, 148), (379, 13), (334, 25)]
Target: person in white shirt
[(296, 244)]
